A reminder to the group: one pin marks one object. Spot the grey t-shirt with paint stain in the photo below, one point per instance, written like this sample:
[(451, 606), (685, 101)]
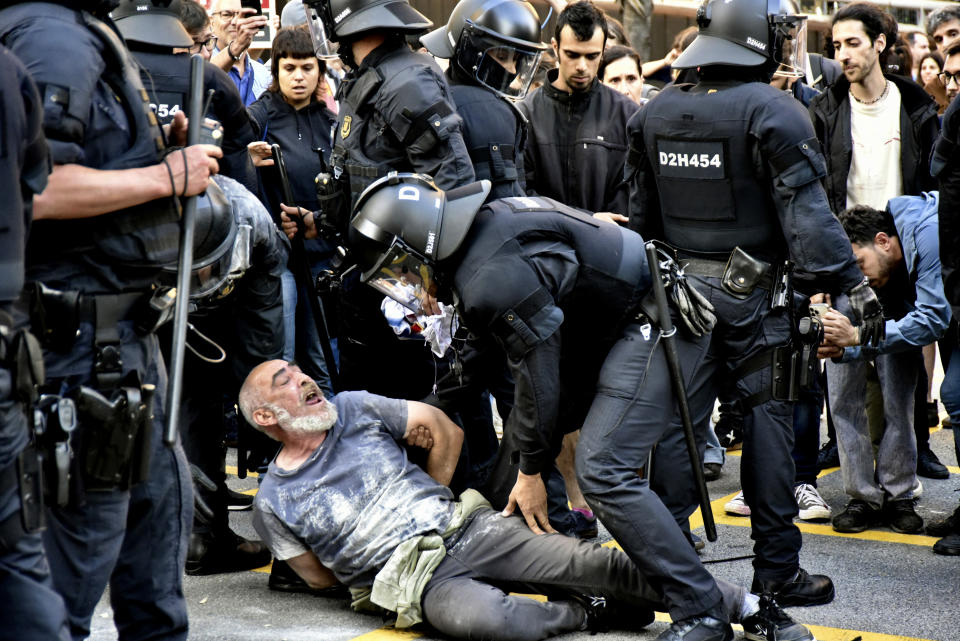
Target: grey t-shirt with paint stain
[(356, 498)]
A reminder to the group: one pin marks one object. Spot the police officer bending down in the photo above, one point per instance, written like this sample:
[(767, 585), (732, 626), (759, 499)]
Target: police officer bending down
[(736, 198), (105, 225)]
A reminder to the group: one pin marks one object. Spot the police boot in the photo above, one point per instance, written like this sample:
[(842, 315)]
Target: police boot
[(803, 589), (605, 614), (224, 552)]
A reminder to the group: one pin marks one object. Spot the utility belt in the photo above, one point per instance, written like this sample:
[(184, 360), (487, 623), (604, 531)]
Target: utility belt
[(112, 450), (742, 273)]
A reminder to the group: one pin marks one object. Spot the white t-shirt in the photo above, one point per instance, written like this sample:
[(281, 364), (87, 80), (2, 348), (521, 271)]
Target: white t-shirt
[(875, 175)]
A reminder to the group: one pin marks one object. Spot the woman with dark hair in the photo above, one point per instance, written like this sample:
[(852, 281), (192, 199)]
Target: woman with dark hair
[(292, 114), (930, 67)]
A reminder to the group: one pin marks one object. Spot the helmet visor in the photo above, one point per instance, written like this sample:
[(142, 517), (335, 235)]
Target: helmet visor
[(403, 276), (319, 33), (504, 68), (791, 32)]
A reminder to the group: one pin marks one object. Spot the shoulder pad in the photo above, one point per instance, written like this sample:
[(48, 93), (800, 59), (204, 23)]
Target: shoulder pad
[(44, 44)]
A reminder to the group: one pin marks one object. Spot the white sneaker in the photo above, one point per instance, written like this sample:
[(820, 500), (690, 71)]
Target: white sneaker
[(737, 505), (811, 504), (918, 489)]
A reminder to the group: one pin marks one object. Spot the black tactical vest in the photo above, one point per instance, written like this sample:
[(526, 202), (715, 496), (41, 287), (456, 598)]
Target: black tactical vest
[(714, 196)]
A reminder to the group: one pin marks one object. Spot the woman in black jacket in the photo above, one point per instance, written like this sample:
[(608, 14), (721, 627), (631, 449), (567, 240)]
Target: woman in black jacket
[(293, 114)]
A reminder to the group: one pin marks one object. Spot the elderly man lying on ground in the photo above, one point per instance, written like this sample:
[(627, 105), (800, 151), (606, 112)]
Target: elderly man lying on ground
[(343, 503)]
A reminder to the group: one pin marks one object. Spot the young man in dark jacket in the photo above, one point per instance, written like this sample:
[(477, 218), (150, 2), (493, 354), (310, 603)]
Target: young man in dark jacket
[(577, 141), (862, 31)]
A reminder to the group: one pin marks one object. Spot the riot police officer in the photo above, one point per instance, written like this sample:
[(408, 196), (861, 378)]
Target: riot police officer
[(740, 202), (396, 113), (535, 275), (152, 28), (494, 48), (38, 612), (104, 227)]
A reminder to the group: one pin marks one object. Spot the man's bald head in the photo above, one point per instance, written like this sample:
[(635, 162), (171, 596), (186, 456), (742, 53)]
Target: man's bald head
[(276, 394)]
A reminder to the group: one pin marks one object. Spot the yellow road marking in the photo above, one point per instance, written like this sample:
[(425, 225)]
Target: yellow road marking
[(388, 634), (828, 634), (232, 469)]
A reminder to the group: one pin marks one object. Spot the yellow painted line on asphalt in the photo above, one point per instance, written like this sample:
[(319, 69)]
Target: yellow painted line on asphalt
[(232, 469), (722, 518), (828, 634), (389, 634)]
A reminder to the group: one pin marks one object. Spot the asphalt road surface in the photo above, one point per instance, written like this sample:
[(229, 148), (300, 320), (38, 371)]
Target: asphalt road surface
[(890, 587)]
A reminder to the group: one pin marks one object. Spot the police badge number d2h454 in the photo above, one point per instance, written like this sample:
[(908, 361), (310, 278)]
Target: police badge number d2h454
[(691, 159)]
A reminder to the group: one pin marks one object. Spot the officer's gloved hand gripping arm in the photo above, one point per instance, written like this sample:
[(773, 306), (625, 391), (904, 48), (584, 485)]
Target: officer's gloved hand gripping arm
[(816, 241)]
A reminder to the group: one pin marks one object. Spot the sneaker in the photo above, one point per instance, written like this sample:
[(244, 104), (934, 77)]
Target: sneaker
[(802, 590), (900, 517), (856, 517), (933, 414), (737, 506), (811, 505), (948, 545), (949, 525), (770, 623), (829, 455), (929, 466), (918, 489), (712, 471), (239, 501), (697, 629)]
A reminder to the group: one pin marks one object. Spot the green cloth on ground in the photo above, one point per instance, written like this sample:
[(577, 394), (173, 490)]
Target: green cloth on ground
[(398, 586)]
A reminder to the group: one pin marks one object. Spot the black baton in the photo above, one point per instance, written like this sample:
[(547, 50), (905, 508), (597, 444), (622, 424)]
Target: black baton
[(303, 274), (185, 263), (667, 332)]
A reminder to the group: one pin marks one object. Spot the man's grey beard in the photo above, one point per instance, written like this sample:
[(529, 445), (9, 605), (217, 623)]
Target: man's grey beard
[(307, 425)]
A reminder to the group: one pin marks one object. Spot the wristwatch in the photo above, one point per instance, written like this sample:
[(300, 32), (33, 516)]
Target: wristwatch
[(230, 53)]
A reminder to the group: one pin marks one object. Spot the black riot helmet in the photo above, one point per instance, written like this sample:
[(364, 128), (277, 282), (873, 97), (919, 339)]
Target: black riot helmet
[(495, 42), (154, 22), (749, 33), (403, 225), (221, 250), (333, 21)]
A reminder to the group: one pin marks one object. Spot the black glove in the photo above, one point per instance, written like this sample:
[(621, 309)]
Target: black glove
[(695, 310), (868, 314)]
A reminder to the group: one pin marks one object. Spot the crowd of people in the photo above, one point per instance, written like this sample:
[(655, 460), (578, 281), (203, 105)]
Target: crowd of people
[(401, 231)]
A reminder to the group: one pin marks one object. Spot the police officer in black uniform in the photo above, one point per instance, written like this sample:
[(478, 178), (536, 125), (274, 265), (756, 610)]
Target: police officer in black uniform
[(536, 275), (494, 48), (396, 113), (104, 226), (150, 28), (35, 611), (736, 198)]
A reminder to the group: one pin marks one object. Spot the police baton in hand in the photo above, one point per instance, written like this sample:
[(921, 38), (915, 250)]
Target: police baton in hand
[(185, 263), (302, 273), (668, 333)]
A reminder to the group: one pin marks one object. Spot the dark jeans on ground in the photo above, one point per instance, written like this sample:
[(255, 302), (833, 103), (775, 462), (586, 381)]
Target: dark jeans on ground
[(491, 555), (634, 409), (136, 540)]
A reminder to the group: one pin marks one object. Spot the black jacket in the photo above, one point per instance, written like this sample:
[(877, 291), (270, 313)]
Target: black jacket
[(946, 168), (577, 145), (919, 128), (300, 133)]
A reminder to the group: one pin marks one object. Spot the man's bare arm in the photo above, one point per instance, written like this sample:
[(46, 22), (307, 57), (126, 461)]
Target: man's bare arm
[(308, 566), (76, 191), (446, 437)]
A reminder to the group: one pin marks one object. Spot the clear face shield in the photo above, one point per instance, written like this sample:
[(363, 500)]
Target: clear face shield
[(791, 35), (402, 275), (323, 46), (497, 65)]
